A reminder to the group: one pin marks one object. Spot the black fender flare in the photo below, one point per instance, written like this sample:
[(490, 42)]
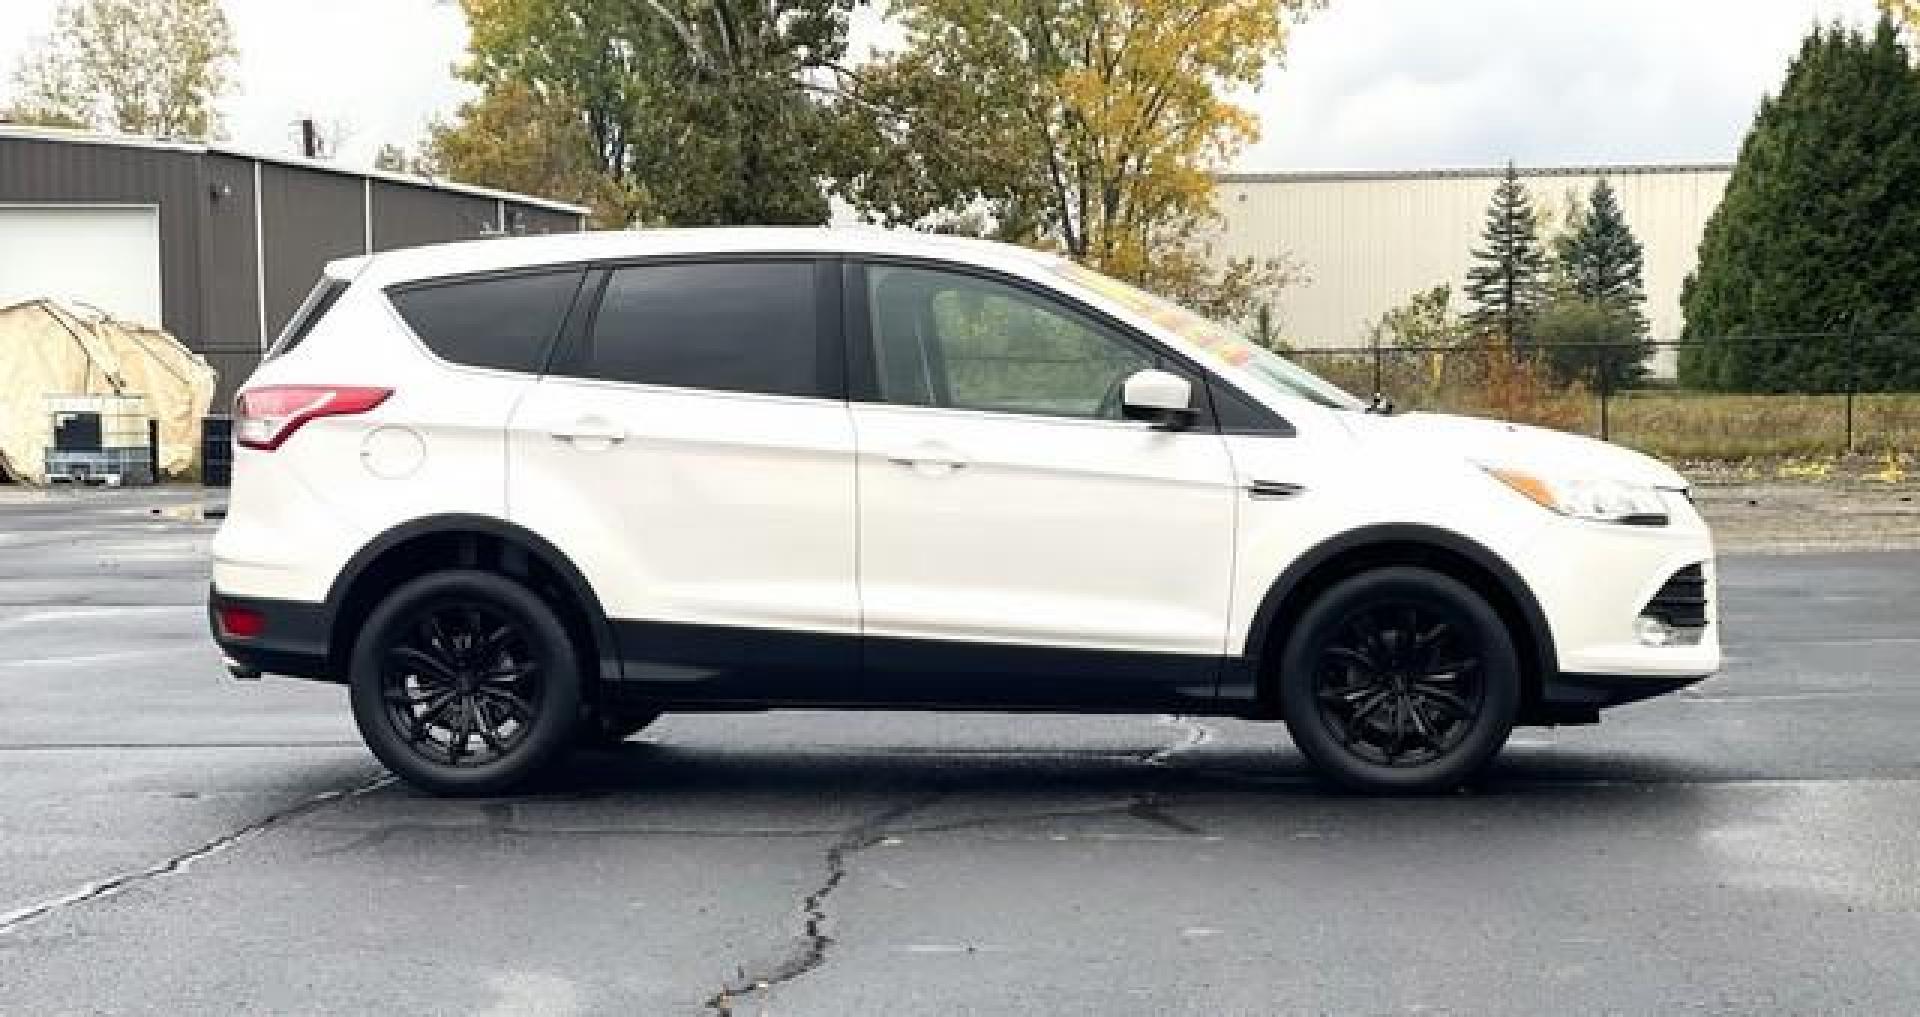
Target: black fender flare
[(526, 540), (1267, 620)]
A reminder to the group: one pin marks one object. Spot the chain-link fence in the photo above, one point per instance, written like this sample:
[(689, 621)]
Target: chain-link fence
[(1819, 393)]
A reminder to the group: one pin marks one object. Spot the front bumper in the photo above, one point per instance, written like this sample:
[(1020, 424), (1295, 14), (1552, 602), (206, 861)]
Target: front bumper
[(1594, 580), (1570, 697), (293, 640)]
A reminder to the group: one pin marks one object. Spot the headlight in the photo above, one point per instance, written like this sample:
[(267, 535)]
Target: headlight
[(1605, 501)]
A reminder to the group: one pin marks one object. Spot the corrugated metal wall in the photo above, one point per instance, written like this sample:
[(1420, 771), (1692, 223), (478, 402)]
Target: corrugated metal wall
[(309, 219), (409, 216), (58, 173), (212, 294), (1370, 241)]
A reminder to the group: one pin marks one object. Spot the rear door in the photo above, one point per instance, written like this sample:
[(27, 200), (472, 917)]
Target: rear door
[(691, 450)]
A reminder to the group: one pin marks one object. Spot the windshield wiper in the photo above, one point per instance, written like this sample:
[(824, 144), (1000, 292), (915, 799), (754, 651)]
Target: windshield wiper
[(1381, 405)]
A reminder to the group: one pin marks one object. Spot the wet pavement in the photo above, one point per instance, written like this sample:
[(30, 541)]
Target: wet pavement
[(172, 842)]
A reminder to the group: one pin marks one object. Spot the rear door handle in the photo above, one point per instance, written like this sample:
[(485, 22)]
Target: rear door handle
[(591, 431), (928, 462)]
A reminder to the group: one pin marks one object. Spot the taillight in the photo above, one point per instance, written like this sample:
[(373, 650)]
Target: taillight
[(241, 622), (264, 418)]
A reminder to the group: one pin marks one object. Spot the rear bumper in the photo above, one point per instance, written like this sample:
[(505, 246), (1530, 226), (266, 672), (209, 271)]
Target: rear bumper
[(293, 640)]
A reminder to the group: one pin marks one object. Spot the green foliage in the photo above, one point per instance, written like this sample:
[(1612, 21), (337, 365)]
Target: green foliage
[(1087, 126), (153, 67), (1426, 321), (688, 112), (1820, 228), (1509, 283), (1598, 342), (1597, 307)]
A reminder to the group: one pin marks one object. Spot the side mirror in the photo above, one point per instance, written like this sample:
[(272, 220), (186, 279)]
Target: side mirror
[(1159, 398)]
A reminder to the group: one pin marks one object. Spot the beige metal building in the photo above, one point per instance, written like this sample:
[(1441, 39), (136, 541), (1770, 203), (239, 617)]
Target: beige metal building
[(1369, 241)]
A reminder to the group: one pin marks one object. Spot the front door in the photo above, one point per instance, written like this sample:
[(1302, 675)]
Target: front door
[(1020, 542)]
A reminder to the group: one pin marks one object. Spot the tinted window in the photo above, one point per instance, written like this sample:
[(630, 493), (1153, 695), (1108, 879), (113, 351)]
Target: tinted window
[(508, 322), (318, 303), (954, 340), (743, 327)]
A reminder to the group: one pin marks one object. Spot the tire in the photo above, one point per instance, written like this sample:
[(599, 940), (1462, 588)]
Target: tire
[(604, 731), (1400, 681), (471, 652)]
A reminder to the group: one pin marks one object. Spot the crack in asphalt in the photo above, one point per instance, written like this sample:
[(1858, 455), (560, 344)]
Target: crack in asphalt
[(99, 889), (812, 953), (814, 942)]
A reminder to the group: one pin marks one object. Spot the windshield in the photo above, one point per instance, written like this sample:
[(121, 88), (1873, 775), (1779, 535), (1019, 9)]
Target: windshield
[(1269, 369)]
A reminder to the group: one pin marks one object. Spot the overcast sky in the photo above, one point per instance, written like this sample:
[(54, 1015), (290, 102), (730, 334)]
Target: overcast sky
[(1370, 84)]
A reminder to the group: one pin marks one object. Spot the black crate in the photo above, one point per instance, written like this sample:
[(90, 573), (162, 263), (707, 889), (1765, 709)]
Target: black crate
[(216, 451)]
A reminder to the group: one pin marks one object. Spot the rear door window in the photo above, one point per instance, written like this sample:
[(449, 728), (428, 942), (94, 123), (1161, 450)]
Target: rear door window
[(507, 323), (749, 326)]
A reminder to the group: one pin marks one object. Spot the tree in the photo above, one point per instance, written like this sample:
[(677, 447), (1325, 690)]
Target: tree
[(1508, 285), (1595, 326), (1591, 341), (1088, 126), (1425, 322), (154, 67), (1904, 12), (1819, 229), (514, 139), (692, 112)]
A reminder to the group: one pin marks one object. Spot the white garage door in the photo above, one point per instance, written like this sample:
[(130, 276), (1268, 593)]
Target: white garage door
[(106, 257)]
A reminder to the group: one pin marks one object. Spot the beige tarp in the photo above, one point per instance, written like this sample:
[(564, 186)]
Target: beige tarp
[(54, 349)]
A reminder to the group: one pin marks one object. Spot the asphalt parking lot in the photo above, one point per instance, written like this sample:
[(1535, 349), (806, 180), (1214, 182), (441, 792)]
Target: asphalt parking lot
[(171, 842)]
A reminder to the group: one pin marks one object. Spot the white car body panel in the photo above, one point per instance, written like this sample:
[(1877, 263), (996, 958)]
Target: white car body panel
[(711, 509), (1024, 530)]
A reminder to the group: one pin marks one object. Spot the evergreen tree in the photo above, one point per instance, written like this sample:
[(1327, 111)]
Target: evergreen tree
[(1601, 269), (1820, 228), (1508, 285)]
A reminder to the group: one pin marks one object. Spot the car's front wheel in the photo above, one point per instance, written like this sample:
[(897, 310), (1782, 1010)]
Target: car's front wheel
[(1400, 680), (465, 683)]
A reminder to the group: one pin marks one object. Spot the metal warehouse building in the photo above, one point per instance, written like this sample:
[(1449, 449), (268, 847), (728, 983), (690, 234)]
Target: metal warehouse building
[(217, 246), (1369, 241)]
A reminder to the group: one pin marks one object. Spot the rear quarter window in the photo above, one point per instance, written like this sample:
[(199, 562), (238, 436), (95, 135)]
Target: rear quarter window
[(325, 294), (507, 323)]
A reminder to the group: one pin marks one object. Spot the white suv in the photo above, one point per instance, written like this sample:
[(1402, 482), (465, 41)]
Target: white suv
[(524, 494)]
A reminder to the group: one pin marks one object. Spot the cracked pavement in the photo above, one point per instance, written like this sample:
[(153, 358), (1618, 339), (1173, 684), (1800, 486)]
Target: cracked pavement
[(171, 842)]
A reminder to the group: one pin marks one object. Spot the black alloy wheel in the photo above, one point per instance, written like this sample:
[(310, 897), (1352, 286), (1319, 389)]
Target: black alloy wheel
[(1400, 680), (462, 686), (465, 683), (1399, 684)]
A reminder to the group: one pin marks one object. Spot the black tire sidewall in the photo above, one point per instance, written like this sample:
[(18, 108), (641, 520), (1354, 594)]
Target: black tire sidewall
[(553, 729), (1500, 672)]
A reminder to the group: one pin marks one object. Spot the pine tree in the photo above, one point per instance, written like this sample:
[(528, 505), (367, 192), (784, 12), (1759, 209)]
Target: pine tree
[(1820, 228), (1508, 286), (1601, 266)]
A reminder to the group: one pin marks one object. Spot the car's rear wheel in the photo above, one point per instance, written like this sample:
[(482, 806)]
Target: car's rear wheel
[(1400, 680), (465, 683)]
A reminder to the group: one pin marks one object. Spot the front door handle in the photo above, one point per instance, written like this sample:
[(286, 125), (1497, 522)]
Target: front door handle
[(931, 458)]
